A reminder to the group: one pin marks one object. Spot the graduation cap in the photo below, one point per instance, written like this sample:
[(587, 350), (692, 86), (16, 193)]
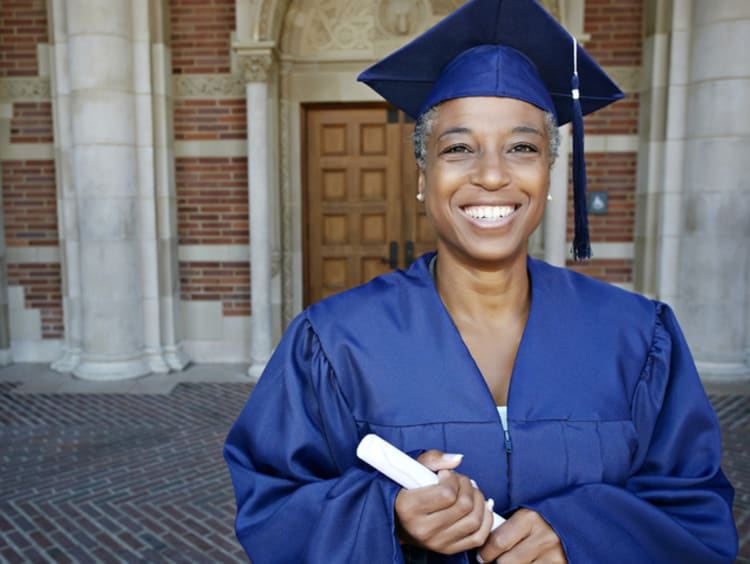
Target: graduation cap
[(507, 48)]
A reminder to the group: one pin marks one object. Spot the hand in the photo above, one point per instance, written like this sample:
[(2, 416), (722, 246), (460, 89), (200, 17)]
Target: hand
[(525, 537), (449, 517)]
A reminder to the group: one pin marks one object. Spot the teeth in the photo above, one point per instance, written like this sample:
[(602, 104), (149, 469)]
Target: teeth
[(489, 212)]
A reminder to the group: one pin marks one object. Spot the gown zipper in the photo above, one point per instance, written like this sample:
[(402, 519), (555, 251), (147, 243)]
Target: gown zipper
[(503, 413)]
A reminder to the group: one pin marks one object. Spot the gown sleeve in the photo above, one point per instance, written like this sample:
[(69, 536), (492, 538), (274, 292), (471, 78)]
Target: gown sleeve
[(301, 496), (676, 505)]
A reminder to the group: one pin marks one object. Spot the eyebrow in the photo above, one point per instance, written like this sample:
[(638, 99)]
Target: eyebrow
[(455, 131), (527, 129), (466, 131)]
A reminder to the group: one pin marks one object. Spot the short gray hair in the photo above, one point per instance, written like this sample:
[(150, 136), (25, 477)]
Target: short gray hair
[(426, 123)]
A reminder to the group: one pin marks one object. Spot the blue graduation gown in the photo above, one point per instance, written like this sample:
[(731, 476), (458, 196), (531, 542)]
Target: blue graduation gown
[(612, 438)]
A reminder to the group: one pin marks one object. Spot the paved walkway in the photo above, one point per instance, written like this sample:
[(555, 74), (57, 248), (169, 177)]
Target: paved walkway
[(132, 471)]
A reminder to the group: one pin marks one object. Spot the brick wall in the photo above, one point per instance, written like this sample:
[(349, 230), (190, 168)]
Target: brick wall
[(29, 203), (212, 200), (212, 206), (227, 282), (615, 28), (209, 120), (611, 270), (620, 118), (200, 35), (31, 123), (28, 186), (615, 174), (23, 25), (42, 290)]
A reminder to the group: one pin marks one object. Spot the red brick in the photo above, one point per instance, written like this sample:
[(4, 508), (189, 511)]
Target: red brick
[(615, 27), (227, 282), (42, 284), (23, 25), (30, 204), (200, 35), (212, 201), (608, 270), (615, 174)]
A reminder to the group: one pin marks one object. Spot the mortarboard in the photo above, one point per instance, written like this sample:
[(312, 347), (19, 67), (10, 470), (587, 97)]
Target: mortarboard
[(507, 48)]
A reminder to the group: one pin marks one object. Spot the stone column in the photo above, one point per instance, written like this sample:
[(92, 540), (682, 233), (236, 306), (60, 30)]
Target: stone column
[(257, 64), (714, 257), (161, 196), (6, 115), (662, 130), (112, 160), (556, 249)]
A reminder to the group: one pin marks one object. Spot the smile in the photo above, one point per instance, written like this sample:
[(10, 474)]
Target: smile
[(490, 213)]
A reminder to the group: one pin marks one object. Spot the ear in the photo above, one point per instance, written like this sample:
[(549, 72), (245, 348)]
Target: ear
[(421, 182)]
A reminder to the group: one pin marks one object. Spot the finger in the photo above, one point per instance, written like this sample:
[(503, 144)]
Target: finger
[(536, 541), (533, 549), (505, 537), (436, 460), (431, 499), (470, 521)]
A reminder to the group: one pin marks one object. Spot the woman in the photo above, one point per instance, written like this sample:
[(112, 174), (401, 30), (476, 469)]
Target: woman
[(608, 450)]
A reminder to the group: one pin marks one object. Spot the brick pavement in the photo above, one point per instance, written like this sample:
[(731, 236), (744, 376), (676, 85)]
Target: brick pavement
[(139, 478)]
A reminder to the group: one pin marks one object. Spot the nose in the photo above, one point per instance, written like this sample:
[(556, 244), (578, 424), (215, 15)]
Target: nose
[(491, 172)]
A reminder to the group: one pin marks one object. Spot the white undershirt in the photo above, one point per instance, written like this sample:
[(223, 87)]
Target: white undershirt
[(502, 411)]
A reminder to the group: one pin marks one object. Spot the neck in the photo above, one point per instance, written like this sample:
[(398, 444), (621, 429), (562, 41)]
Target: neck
[(482, 293)]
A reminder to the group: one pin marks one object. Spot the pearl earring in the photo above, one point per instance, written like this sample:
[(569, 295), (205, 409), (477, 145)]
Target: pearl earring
[(549, 197), (420, 197)]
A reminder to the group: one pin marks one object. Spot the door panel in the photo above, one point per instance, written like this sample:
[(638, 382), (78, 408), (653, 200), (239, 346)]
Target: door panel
[(360, 187)]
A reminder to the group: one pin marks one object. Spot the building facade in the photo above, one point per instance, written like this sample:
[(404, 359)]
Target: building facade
[(181, 178)]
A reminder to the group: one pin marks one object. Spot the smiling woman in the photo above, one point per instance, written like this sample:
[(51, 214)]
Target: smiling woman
[(573, 406), (486, 177)]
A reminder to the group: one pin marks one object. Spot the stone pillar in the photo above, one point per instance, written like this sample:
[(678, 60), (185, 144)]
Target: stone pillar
[(556, 249), (257, 64), (714, 258), (6, 115), (662, 130), (107, 127), (161, 196)]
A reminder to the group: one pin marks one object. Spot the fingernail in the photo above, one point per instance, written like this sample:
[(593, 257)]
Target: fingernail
[(452, 457), (480, 559), (473, 483), (490, 504)]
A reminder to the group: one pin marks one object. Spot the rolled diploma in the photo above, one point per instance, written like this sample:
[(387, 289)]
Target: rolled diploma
[(400, 467)]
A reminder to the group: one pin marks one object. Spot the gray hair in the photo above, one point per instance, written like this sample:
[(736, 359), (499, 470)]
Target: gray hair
[(426, 123)]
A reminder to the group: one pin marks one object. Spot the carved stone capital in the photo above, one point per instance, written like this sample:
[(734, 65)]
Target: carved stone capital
[(256, 64)]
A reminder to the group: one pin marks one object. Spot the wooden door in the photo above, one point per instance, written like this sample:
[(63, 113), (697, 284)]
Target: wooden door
[(360, 212)]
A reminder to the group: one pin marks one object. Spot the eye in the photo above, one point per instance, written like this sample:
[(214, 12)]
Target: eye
[(453, 149), (523, 148)]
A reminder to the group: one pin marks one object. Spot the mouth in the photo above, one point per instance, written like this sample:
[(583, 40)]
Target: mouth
[(489, 214)]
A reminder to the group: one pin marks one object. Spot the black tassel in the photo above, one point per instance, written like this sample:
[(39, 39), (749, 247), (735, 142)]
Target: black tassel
[(581, 242)]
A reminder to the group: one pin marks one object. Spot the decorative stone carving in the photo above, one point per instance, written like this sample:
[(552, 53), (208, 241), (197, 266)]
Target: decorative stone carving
[(25, 89), (208, 86), (333, 25), (256, 65), (401, 17)]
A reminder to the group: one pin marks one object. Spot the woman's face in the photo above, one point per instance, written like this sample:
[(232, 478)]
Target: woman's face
[(486, 177)]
